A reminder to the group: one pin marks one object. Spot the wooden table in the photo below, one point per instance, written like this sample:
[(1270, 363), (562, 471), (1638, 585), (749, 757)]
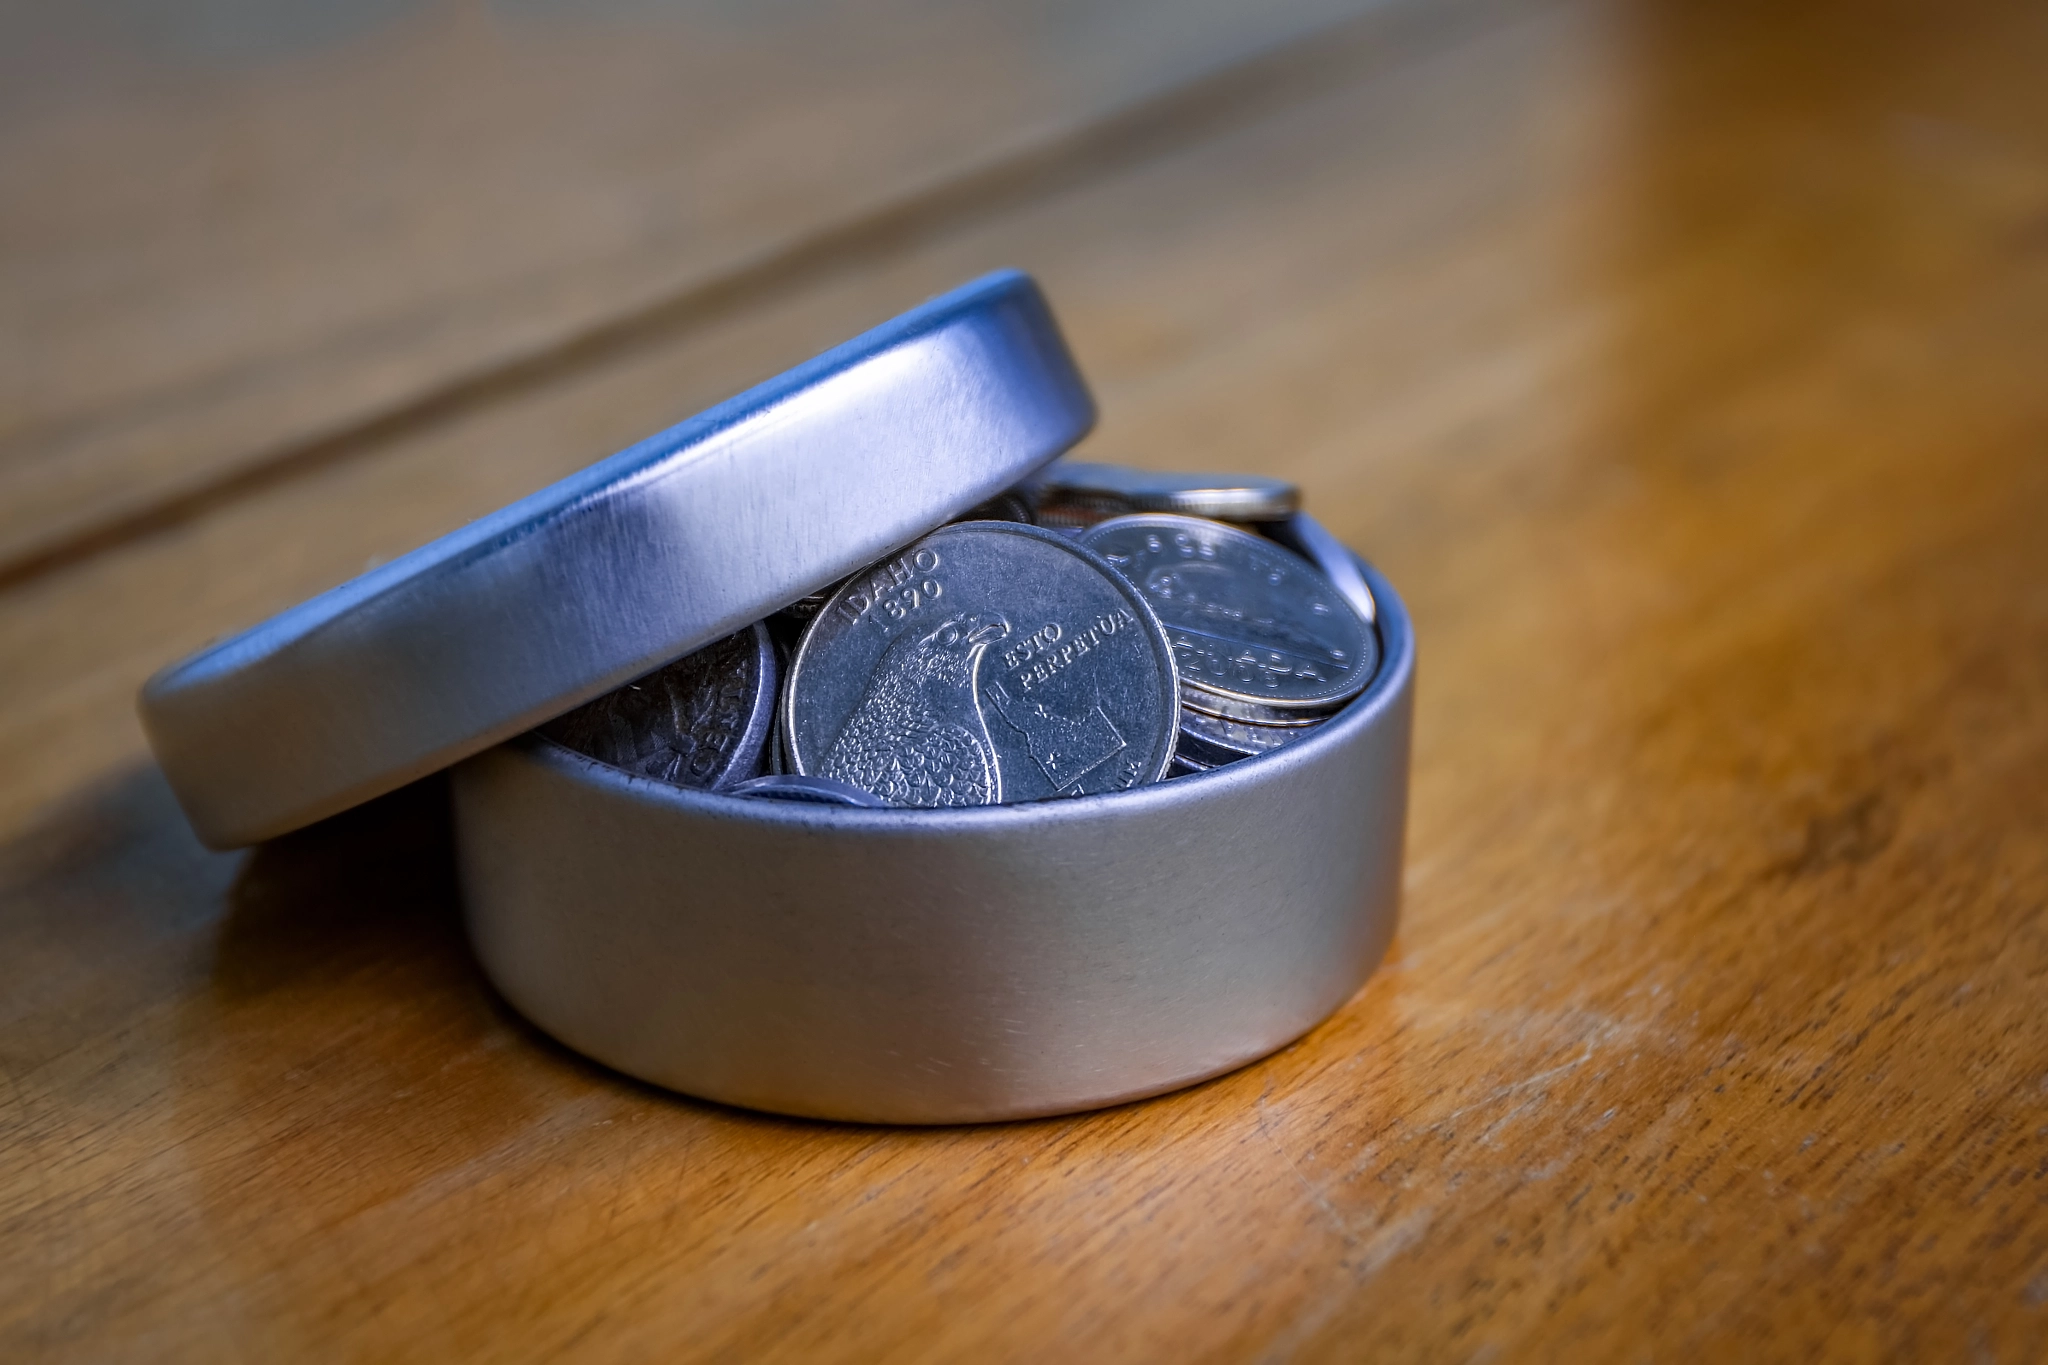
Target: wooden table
[(1685, 364)]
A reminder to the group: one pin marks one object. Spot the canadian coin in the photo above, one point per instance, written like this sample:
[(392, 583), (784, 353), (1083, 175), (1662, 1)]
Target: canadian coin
[(1251, 623), (702, 721), (814, 791), (989, 662), (1214, 741), (1077, 493), (1307, 537)]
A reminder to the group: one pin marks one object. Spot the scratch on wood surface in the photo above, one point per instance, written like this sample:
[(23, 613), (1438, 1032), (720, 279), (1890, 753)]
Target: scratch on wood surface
[(1366, 1251), (1314, 1193), (1512, 1087)]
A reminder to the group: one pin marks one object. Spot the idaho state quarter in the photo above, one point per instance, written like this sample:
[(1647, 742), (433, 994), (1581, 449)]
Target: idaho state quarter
[(1252, 624), (990, 662), (702, 722)]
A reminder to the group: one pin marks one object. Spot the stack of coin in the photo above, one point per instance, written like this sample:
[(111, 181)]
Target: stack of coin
[(1075, 494), (1266, 647), (995, 661)]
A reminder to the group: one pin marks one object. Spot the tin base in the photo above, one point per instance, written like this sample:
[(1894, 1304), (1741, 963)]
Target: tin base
[(998, 962)]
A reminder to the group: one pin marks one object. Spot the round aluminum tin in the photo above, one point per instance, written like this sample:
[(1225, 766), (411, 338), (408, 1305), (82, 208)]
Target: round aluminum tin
[(611, 573), (987, 963)]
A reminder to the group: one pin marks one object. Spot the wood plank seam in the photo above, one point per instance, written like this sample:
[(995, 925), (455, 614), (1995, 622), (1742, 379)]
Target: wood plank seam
[(1285, 75)]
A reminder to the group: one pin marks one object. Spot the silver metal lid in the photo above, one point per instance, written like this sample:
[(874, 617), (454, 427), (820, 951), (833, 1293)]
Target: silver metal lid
[(614, 571)]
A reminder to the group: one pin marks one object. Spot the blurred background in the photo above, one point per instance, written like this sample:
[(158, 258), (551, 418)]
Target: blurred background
[(1681, 361), (230, 224)]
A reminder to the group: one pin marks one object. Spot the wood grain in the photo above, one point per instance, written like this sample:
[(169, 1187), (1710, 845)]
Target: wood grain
[(1680, 363), (228, 229)]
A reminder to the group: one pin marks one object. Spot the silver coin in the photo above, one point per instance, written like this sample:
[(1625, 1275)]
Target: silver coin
[(1214, 741), (1186, 767), (1072, 521), (702, 721), (988, 662), (815, 791), (1077, 493), (804, 608), (1251, 713), (1251, 622), (1307, 537), (1016, 504)]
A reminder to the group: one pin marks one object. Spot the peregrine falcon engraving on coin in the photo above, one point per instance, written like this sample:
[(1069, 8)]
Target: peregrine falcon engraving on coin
[(918, 736), (1253, 625), (702, 721), (989, 662)]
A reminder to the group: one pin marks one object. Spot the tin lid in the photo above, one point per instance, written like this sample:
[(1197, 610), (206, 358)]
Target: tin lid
[(616, 570)]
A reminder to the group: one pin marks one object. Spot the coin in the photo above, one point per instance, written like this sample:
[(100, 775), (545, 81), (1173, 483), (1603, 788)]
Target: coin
[(1212, 741), (1251, 713), (1306, 536), (1014, 504), (1078, 493), (989, 662), (815, 791), (702, 721), (804, 608), (1253, 624)]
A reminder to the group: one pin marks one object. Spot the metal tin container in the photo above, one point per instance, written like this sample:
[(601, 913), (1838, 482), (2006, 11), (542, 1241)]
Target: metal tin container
[(997, 962)]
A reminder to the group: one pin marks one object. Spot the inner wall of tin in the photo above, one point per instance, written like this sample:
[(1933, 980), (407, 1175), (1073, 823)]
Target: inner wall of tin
[(942, 966)]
